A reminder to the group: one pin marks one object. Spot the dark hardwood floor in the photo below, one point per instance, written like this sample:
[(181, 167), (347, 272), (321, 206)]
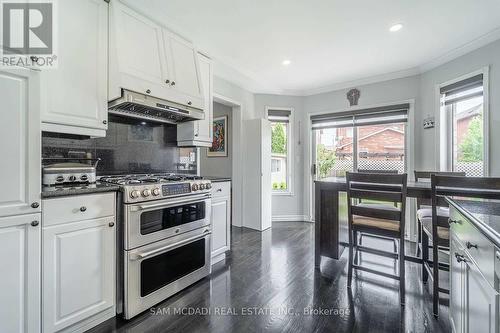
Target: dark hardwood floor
[(269, 284)]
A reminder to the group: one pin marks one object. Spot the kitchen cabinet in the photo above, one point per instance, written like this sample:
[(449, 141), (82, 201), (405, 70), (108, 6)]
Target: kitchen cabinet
[(147, 58), (199, 133), (74, 95), (78, 262), (474, 301), (221, 220), (20, 281), (21, 141)]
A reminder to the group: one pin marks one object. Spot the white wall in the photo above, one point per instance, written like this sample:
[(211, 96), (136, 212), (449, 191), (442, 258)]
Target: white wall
[(219, 166)]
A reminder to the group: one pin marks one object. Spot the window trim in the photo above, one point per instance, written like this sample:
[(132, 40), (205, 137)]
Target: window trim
[(444, 151), (289, 168)]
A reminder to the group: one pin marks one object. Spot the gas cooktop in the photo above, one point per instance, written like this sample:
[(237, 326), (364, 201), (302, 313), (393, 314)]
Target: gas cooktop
[(148, 178)]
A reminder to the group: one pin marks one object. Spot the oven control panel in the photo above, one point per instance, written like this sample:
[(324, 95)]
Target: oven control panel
[(176, 189)]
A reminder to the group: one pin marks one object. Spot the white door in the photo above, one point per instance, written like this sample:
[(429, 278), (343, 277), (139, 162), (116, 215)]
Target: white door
[(20, 276), (221, 212), (75, 94), (481, 301), (78, 271), (185, 65), (139, 47), (21, 142), (266, 182)]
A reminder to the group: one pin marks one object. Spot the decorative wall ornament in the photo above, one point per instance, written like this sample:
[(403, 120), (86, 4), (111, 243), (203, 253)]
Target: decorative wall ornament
[(219, 143), (353, 96)]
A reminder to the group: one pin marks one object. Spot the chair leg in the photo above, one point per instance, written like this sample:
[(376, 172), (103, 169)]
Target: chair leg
[(349, 266), (435, 284), (402, 271), (425, 256), (419, 238), (395, 246), (356, 246), (360, 238)]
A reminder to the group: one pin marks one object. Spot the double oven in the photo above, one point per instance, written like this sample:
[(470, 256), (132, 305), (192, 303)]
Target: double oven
[(166, 248)]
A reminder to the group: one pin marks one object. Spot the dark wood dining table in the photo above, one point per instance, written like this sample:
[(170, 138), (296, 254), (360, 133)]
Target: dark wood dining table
[(331, 229)]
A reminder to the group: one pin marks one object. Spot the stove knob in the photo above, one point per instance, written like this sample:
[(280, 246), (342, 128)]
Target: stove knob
[(156, 191), (194, 187), (202, 186), (208, 186), (72, 178), (84, 178), (59, 179), (146, 193), (134, 194)]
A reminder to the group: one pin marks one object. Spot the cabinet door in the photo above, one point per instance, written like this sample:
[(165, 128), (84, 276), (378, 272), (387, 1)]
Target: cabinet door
[(185, 67), (75, 94), (481, 301), (139, 46), (20, 281), (199, 133), (78, 271), (221, 212), (21, 142), (457, 287)]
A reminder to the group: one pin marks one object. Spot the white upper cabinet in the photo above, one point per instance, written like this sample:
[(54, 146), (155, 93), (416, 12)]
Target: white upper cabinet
[(185, 69), (74, 95), (199, 133), (146, 58), (20, 137)]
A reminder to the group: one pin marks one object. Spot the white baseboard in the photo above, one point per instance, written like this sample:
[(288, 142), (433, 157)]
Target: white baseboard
[(290, 218)]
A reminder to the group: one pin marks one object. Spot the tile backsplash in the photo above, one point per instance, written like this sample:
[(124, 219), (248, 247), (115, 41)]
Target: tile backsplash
[(130, 146)]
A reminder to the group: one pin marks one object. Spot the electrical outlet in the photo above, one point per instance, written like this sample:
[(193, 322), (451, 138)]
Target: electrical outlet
[(429, 122)]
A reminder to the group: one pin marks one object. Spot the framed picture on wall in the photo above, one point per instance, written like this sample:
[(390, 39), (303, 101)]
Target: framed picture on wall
[(219, 143)]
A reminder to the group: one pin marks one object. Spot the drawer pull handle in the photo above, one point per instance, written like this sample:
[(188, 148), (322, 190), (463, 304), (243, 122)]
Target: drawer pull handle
[(35, 205), (111, 224), (83, 208), (460, 258), (450, 221), (219, 190), (35, 223), (470, 245)]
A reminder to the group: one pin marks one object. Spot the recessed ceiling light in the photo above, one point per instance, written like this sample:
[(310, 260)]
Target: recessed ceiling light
[(286, 62), (396, 27)]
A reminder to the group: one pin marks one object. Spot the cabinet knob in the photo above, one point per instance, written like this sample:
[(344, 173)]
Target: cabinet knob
[(196, 135), (459, 257), (189, 103), (35, 223), (219, 190), (83, 208), (111, 224), (177, 230), (35, 205), (450, 222), (173, 83), (104, 122), (148, 91), (470, 245), (167, 81)]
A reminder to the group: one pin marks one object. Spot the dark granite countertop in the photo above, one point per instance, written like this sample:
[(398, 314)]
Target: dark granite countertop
[(66, 190), (483, 213), (217, 179)]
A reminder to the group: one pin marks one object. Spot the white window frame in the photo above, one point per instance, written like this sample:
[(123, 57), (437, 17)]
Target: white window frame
[(289, 148), (444, 162)]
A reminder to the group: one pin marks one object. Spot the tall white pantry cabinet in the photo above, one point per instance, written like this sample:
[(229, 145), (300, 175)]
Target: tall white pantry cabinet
[(20, 229)]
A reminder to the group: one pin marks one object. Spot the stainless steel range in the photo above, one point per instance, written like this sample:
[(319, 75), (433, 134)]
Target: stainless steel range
[(165, 237)]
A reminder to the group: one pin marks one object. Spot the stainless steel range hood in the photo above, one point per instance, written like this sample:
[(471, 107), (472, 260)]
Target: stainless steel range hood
[(140, 106)]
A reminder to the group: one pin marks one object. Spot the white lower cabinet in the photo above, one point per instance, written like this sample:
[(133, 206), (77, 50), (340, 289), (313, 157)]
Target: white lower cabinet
[(474, 301), (221, 220), (20, 273), (78, 265)]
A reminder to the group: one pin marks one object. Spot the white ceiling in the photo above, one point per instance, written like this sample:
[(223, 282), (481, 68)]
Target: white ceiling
[(330, 42)]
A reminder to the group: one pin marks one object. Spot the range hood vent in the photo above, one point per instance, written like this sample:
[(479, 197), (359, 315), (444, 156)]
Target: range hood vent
[(140, 106)]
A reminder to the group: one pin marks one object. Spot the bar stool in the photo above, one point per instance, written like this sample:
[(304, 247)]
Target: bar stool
[(384, 220)]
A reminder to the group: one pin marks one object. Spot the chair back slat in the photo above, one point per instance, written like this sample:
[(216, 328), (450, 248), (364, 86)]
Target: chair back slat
[(368, 194), (378, 213), (426, 176), (379, 179), (386, 172)]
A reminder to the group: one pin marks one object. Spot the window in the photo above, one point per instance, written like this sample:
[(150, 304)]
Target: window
[(369, 139), (280, 150), (462, 107)]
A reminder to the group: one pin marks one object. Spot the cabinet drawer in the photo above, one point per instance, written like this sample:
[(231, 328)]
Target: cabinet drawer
[(221, 189), (77, 208), (480, 249)]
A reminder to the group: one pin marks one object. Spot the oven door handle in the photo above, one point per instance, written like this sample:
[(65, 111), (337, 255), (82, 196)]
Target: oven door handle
[(144, 255), (193, 199)]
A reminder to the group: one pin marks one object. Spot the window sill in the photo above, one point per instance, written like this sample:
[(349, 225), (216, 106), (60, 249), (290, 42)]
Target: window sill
[(281, 194)]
